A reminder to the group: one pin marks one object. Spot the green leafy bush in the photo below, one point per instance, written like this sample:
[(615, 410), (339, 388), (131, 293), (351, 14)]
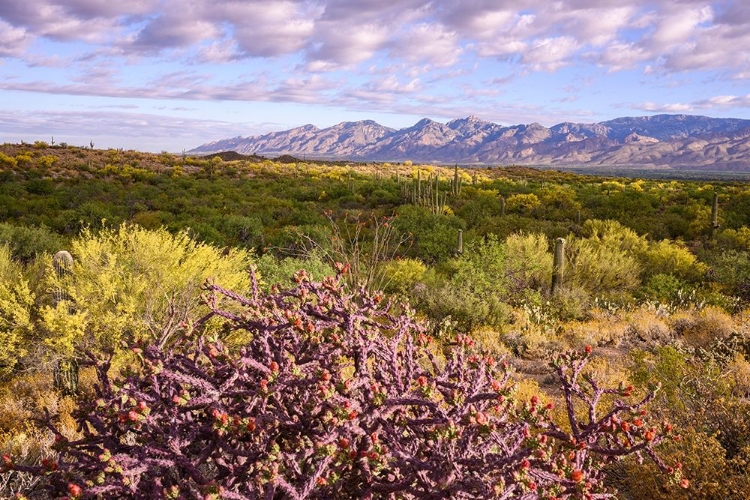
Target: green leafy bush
[(16, 302), (123, 281), (600, 268), (674, 257)]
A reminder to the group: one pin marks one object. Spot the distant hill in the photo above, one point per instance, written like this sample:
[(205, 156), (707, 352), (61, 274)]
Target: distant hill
[(234, 155), (678, 141)]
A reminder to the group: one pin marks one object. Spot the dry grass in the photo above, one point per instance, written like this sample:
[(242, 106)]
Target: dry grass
[(23, 401), (702, 329), (648, 328)]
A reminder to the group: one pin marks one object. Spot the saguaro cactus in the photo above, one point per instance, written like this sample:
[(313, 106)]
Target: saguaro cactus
[(460, 248), (715, 215), (502, 206), (456, 183), (65, 374), (558, 265)]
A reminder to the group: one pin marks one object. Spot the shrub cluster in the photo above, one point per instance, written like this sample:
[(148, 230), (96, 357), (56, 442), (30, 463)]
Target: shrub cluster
[(336, 395)]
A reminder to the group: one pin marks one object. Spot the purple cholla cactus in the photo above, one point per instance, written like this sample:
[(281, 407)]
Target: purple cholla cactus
[(337, 395)]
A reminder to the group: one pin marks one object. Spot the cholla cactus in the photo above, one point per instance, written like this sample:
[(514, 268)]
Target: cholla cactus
[(338, 395)]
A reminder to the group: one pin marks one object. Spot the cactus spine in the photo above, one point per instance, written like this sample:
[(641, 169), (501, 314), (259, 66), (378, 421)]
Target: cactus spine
[(65, 374), (558, 265)]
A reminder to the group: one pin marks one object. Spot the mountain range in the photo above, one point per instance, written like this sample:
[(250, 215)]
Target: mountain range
[(672, 141)]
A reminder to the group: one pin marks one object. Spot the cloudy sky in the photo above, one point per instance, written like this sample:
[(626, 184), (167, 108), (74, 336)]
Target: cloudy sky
[(171, 74)]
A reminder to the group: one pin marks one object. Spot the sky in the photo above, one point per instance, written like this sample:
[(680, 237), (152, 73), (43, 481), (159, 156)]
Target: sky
[(168, 75)]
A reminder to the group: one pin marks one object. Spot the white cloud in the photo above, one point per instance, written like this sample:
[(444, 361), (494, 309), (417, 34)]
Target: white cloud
[(598, 26), (725, 101), (13, 41), (717, 102), (391, 84), (348, 44), (319, 50), (267, 29), (87, 20), (429, 43), (620, 56), (550, 54), (664, 108), (668, 35), (678, 24)]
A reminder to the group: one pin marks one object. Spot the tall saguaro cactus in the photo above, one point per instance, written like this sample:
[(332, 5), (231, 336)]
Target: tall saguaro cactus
[(460, 248), (558, 265), (65, 374), (456, 183), (715, 215)]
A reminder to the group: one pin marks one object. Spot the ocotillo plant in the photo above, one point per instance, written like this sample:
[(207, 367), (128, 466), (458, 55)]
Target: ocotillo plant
[(65, 374), (558, 265)]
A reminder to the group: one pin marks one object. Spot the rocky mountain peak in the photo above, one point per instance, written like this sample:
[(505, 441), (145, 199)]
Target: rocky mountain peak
[(662, 140)]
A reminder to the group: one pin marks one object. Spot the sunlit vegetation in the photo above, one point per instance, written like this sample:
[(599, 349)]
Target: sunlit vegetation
[(654, 278)]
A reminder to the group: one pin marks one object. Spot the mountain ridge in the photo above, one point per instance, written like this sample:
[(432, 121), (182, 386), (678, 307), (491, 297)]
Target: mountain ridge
[(676, 141)]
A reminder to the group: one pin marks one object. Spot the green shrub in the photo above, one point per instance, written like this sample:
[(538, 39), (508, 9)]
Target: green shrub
[(26, 242), (731, 269), (281, 271), (614, 235), (675, 257), (7, 161), (599, 268), (16, 302), (522, 203), (528, 263), (663, 288), (128, 281), (402, 275), (735, 239)]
